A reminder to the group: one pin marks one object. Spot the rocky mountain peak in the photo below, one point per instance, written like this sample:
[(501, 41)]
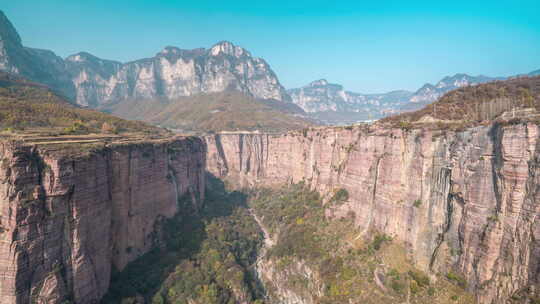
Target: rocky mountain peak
[(8, 33), (173, 53), (318, 83), (228, 48), (170, 50), (83, 57), (458, 80)]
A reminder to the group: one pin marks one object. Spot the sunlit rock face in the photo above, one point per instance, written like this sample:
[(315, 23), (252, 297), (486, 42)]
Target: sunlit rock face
[(466, 202), (67, 221), (173, 73)]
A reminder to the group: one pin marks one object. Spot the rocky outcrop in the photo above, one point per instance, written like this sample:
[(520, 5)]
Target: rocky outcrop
[(67, 221), (277, 287), (462, 202)]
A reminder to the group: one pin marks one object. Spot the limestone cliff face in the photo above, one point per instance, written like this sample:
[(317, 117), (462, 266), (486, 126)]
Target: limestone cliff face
[(466, 202), (67, 221), (173, 73)]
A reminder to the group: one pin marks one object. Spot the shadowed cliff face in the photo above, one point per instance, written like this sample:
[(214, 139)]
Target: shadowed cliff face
[(67, 220), (463, 202)]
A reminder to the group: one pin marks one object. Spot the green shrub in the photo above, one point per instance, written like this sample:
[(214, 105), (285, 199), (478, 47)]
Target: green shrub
[(77, 128), (405, 125), (493, 218), (341, 195), (421, 278), (417, 203), (379, 240), (415, 288), (397, 286), (457, 279)]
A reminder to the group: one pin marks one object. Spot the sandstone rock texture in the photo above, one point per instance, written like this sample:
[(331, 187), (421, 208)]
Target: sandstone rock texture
[(464, 202), (67, 221)]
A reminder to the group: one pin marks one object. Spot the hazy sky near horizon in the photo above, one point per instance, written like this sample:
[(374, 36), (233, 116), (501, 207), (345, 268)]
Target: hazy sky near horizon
[(368, 46)]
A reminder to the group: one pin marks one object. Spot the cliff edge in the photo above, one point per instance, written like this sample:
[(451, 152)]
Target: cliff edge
[(68, 219)]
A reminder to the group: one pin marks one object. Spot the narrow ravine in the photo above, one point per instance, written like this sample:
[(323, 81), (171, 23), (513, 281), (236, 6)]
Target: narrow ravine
[(268, 243)]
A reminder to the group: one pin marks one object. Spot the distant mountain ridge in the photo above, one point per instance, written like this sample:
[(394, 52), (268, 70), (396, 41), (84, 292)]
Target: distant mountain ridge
[(331, 103), (171, 73), (429, 93), (534, 73), (322, 96)]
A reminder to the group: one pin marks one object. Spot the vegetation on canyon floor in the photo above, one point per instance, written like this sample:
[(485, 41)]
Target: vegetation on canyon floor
[(211, 258), (346, 268)]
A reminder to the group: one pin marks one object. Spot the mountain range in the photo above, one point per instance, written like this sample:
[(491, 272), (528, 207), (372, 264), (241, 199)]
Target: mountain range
[(333, 104), (175, 73), (171, 73)]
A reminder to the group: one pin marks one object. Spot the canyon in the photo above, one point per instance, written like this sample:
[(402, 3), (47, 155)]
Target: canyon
[(463, 202), (71, 216), (95, 208), (460, 202), (439, 203)]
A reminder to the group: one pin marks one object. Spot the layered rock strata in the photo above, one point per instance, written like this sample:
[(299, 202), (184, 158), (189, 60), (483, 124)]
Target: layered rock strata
[(67, 221), (465, 202)]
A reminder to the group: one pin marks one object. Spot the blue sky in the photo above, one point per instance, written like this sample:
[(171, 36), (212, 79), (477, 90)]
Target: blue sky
[(368, 46)]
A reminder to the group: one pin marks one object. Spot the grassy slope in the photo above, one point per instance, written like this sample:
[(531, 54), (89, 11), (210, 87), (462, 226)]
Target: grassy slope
[(473, 105), (29, 106), (227, 111)]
